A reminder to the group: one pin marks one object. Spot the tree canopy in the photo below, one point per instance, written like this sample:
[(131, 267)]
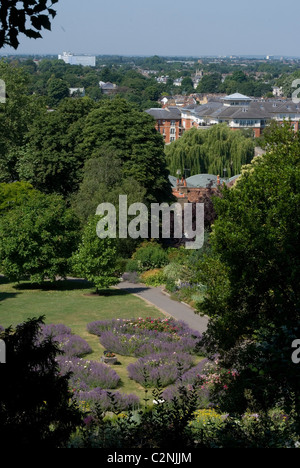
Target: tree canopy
[(210, 151), (37, 238)]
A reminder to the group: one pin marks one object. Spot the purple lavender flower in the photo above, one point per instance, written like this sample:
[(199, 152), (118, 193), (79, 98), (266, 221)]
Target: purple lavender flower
[(190, 379), (108, 401), (73, 345), (53, 330), (159, 369), (87, 375)]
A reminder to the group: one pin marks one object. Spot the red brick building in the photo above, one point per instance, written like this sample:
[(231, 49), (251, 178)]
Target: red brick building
[(168, 122), (237, 111)]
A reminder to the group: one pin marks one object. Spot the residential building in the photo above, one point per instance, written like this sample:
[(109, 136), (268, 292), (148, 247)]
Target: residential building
[(168, 122), (237, 111), (108, 88)]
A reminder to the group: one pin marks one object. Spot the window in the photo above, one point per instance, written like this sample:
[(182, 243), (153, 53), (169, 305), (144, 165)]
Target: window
[(172, 138), (172, 131)]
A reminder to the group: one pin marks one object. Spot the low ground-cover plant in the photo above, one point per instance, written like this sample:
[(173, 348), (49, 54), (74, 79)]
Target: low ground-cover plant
[(159, 369)]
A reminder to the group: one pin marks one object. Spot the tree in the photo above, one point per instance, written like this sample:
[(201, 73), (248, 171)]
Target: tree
[(57, 90), (17, 113), (131, 134), (210, 151), (28, 18), (95, 259), (256, 237), (210, 83), (50, 160), (35, 400), (14, 194), (37, 238)]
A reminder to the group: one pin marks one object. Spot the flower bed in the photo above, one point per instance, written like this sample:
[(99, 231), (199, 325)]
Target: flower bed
[(87, 375), (142, 337), (159, 369), (107, 401), (71, 345), (189, 380)]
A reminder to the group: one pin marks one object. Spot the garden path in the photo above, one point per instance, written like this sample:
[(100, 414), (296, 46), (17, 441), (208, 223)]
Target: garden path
[(162, 301)]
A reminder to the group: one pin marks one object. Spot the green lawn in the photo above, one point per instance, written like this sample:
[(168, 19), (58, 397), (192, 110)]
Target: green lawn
[(74, 304)]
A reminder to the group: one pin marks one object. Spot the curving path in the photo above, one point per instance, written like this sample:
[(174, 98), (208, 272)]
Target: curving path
[(162, 301)]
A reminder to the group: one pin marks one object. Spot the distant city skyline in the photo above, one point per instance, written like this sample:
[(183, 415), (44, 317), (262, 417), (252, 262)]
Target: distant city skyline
[(169, 28)]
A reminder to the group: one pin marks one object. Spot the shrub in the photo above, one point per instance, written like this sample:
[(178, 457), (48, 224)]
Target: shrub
[(150, 255), (154, 277)]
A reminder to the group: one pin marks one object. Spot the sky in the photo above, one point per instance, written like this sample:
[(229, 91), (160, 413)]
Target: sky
[(169, 28)]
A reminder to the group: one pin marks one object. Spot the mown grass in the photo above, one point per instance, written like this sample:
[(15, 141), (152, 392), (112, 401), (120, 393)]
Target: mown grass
[(74, 304)]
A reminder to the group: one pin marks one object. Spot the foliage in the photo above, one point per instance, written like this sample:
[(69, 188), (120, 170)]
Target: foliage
[(153, 277), (37, 238), (132, 135), (29, 18), (35, 407), (57, 90), (95, 258), (50, 160), (255, 244), (210, 151), (17, 113), (150, 255), (14, 194)]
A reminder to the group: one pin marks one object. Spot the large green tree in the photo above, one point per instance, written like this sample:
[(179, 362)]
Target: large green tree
[(256, 240), (50, 159), (132, 135), (210, 151), (18, 111), (37, 238)]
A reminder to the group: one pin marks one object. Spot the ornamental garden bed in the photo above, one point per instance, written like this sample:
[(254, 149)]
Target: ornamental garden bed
[(161, 352)]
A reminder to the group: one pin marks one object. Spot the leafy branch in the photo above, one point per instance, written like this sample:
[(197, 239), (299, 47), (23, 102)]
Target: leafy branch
[(28, 17)]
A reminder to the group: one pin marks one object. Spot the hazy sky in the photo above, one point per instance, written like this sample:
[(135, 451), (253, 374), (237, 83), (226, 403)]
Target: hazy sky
[(171, 27)]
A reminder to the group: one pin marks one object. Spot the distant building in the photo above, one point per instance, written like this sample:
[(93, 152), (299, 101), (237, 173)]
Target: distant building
[(107, 88), (237, 111), (84, 60), (168, 122)]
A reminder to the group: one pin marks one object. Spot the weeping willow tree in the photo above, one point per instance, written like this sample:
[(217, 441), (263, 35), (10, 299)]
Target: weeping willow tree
[(210, 152)]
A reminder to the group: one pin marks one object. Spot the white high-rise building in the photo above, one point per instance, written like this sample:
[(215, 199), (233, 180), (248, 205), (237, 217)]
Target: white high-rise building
[(84, 60)]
